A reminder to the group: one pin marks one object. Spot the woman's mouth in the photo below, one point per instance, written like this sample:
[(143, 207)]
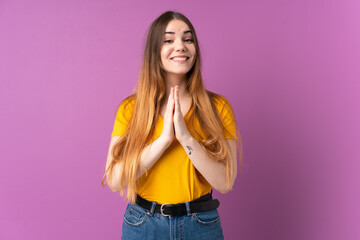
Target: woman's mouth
[(180, 59)]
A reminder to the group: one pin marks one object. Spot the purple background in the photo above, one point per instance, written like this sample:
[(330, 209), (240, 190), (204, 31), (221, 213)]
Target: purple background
[(290, 69)]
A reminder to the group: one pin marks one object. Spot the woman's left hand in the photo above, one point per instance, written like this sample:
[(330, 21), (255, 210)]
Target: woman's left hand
[(181, 131)]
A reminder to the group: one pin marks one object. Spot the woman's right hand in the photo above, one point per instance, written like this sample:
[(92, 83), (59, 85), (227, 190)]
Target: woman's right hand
[(168, 133)]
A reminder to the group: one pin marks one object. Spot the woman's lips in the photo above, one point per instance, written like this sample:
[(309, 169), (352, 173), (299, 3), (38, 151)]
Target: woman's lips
[(180, 60)]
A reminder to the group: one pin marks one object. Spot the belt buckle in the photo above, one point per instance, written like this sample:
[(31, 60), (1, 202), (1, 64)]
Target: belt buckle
[(161, 210)]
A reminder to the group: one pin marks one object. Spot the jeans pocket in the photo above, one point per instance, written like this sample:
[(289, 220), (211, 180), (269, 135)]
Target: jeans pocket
[(207, 218), (135, 215)]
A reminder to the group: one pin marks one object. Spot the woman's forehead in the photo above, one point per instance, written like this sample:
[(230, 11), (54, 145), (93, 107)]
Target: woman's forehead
[(177, 26)]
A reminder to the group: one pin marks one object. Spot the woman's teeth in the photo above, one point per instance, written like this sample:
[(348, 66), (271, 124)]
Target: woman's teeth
[(179, 59)]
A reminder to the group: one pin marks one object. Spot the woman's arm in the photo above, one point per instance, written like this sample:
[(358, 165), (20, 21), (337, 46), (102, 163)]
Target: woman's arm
[(151, 153), (214, 172), (148, 158)]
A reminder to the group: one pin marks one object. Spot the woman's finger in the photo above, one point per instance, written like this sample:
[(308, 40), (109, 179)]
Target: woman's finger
[(176, 99), (170, 104), (168, 129)]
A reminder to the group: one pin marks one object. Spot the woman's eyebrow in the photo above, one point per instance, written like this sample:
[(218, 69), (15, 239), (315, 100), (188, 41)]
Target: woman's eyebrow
[(188, 31)]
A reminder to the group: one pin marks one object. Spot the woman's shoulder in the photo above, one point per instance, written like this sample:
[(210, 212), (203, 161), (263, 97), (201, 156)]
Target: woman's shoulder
[(224, 110), (128, 102), (126, 105), (218, 100)]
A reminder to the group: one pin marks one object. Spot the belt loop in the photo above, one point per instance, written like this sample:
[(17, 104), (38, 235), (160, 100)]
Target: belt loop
[(152, 208), (187, 204)]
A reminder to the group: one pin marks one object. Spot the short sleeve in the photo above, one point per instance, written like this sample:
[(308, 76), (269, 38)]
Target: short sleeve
[(123, 117), (228, 119)]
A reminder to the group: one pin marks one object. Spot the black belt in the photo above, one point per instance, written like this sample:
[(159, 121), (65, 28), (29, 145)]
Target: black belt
[(204, 203)]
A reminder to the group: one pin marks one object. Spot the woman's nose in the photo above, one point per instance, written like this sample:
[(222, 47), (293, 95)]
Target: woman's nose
[(179, 45)]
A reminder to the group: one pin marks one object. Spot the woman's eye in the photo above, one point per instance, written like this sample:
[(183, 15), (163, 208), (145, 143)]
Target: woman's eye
[(186, 40)]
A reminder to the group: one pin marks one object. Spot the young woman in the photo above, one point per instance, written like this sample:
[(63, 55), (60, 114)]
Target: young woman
[(172, 141)]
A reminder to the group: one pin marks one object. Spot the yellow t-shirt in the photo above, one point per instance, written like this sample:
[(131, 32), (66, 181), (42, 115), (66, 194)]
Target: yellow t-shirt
[(173, 178)]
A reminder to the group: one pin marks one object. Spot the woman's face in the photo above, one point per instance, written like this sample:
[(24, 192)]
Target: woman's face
[(178, 42)]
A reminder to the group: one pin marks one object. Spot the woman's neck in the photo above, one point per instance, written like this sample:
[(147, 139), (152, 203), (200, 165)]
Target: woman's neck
[(173, 80)]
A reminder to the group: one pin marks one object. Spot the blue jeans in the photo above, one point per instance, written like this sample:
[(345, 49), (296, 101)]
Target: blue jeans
[(141, 224)]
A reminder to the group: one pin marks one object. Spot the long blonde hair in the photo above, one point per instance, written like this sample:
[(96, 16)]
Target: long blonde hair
[(149, 93)]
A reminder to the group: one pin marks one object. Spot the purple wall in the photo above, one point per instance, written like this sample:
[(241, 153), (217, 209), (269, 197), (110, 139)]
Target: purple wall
[(289, 68)]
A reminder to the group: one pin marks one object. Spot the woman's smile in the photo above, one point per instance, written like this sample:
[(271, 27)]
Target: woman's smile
[(180, 59)]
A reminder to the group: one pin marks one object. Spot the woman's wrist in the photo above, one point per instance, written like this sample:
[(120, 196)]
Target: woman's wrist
[(187, 140), (166, 141)]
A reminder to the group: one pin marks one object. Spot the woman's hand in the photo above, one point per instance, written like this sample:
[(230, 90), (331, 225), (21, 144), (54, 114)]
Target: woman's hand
[(168, 126), (181, 131), (174, 125)]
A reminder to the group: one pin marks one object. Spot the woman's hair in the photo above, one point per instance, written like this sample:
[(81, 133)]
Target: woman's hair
[(148, 95)]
